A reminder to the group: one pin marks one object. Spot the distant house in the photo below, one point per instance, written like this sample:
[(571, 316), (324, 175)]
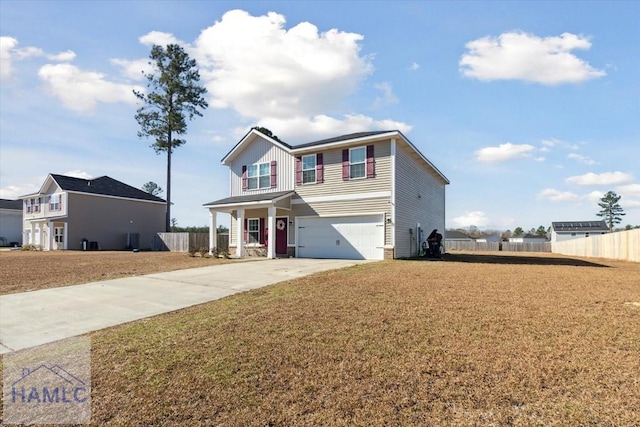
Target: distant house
[(573, 229), (10, 222), (457, 236), (99, 213), (528, 238), (489, 239), (368, 195)]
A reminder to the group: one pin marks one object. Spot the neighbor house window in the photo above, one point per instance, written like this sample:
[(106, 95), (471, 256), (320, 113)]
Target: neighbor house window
[(357, 162), (36, 205), (309, 169), (253, 230), (58, 234), (28, 206), (54, 202), (258, 176)]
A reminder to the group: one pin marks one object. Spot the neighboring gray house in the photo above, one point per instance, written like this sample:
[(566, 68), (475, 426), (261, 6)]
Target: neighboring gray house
[(528, 238), (367, 195), (106, 213), (10, 222), (573, 229)]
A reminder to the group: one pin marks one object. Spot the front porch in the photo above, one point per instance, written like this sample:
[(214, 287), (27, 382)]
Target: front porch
[(46, 234), (261, 224)]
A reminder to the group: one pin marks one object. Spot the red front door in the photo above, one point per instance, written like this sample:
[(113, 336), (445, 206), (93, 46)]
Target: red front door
[(282, 225)]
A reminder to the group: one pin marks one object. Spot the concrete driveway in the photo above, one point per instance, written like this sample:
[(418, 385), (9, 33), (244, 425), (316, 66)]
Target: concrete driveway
[(33, 318)]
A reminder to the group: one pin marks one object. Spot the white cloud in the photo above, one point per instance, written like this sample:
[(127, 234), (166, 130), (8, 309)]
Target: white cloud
[(262, 70), (304, 129), (557, 196), (159, 38), (475, 218), (12, 192), (77, 173), (65, 56), (414, 66), (133, 69), (9, 52), (629, 190), (581, 159), (82, 90), (386, 95), (594, 197), (503, 152), (606, 178), (521, 56)]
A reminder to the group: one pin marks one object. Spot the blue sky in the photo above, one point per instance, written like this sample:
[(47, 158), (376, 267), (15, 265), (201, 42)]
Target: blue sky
[(531, 109)]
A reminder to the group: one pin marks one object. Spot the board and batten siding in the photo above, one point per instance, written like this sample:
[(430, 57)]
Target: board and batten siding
[(317, 196), (419, 198), (262, 151)]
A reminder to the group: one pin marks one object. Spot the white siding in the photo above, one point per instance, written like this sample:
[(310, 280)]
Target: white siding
[(419, 198), (262, 151)]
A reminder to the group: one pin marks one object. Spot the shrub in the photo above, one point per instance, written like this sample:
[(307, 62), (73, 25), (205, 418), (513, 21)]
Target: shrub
[(203, 251), (30, 247), (192, 252)]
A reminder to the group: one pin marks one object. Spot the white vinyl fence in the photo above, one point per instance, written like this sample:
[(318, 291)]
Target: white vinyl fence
[(621, 245)]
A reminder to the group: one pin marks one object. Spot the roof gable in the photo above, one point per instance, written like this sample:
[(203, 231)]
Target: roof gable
[(247, 140)]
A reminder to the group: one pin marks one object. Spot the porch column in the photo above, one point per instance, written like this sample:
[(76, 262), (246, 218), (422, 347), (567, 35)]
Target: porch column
[(50, 236), (65, 229), (271, 234), (213, 232), (240, 234)]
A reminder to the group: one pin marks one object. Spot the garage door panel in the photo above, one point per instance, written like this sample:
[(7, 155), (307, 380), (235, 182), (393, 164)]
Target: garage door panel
[(341, 237)]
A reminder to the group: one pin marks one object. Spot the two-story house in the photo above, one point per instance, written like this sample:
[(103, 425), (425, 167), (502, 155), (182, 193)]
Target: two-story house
[(367, 195), (100, 213)]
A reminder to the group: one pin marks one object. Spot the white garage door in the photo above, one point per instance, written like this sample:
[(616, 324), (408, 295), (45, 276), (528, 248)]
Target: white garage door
[(357, 237)]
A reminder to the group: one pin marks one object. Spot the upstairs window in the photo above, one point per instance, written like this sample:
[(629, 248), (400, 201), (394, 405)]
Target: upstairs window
[(357, 162), (54, 202), (309, 169), (28, 206), (258, 176), (36, 205)]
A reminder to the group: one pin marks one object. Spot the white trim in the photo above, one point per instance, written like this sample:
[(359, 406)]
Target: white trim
[(393, 193), (380, 214), (364, 139), (342, 198)]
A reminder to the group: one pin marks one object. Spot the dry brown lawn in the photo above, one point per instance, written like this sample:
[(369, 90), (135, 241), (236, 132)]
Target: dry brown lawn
[(476, 339), (22, 271)]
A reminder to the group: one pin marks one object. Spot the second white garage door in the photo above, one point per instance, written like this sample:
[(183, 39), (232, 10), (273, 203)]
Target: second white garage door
[(357, 237)]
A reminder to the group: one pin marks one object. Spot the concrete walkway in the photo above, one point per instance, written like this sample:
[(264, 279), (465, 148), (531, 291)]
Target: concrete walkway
[(33, 318)]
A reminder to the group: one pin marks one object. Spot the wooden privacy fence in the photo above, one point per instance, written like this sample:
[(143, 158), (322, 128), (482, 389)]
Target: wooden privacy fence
[(185, 242), (621, 245)]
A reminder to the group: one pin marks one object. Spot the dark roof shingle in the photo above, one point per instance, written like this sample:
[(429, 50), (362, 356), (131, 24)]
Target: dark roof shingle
[(579, 226), (11, 204), (105, 186)]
